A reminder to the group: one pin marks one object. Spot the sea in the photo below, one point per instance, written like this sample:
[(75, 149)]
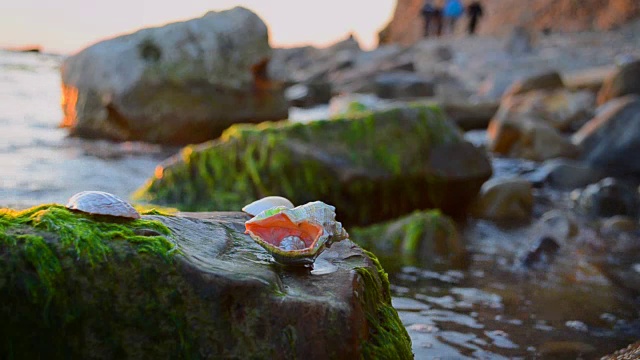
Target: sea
[(39, 162)]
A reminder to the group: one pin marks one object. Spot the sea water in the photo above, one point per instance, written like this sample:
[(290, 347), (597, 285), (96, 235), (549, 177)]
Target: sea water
[(39, 163)]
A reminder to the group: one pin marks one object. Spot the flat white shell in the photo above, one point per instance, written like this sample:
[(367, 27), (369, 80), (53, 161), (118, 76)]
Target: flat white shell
[(101, 203), (267, 203)]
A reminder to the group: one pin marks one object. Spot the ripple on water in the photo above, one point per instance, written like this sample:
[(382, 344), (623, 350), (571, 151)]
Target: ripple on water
[(494, 310)]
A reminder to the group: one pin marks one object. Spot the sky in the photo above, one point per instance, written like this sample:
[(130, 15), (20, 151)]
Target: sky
[(67, 26)]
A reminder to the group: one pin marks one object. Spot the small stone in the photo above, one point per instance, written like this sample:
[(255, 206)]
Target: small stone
[(558, 224), (606, 198), (504, 199), (541, 253)]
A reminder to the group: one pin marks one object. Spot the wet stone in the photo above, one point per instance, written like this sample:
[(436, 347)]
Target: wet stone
[(217, 294), (541, 253), (606, 198)]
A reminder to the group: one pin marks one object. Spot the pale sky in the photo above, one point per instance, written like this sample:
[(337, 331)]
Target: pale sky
[(69, 25)]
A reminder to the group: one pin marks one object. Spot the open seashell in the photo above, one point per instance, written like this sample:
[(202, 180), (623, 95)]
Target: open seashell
[(101, 203), (296, 236), (267, 203)]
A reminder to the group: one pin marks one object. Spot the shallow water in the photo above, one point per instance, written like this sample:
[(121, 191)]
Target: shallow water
[(496, 309), (490, 310)]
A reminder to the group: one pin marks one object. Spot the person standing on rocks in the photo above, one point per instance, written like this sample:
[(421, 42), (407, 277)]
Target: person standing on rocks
[(474, 11), (432, 15), (452, 11)]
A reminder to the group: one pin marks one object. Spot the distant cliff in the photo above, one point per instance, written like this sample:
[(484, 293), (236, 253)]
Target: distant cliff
[(502, 15)]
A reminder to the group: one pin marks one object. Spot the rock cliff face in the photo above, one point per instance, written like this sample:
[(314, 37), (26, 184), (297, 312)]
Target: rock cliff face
[(502, 15)]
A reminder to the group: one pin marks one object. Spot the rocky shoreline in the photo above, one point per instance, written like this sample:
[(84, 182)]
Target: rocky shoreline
[(547, 200)]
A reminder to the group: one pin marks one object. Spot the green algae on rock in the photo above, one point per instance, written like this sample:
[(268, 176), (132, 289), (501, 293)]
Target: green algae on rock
[(80, 286), (390, 339), (372, 167), (416, 239), (85, 236)]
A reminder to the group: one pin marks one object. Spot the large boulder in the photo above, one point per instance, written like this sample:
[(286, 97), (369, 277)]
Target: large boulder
[(178, 84), (610, 141), (372, 167), (528, 125), (562, 109), (186, 286), (529, 140)]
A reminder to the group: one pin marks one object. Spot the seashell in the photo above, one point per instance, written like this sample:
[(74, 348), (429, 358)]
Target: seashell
[(296, 236), (101, 203), (267, 203)]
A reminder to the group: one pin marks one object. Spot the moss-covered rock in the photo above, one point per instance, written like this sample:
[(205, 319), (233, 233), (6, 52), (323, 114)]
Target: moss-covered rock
[(77, 286), (372, 167), (422, 238)]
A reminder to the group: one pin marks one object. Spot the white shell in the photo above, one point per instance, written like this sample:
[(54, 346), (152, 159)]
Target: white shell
[(101, 203), (267, 203)]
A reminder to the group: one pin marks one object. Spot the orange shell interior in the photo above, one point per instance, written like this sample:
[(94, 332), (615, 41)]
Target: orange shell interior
[(275, 228)]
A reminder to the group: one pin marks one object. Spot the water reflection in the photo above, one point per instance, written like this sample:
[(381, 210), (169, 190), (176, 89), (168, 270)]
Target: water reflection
[(493, 309)]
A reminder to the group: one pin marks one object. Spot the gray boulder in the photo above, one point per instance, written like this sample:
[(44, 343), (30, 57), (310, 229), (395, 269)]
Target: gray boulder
[(181, 83), (610, 140)]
